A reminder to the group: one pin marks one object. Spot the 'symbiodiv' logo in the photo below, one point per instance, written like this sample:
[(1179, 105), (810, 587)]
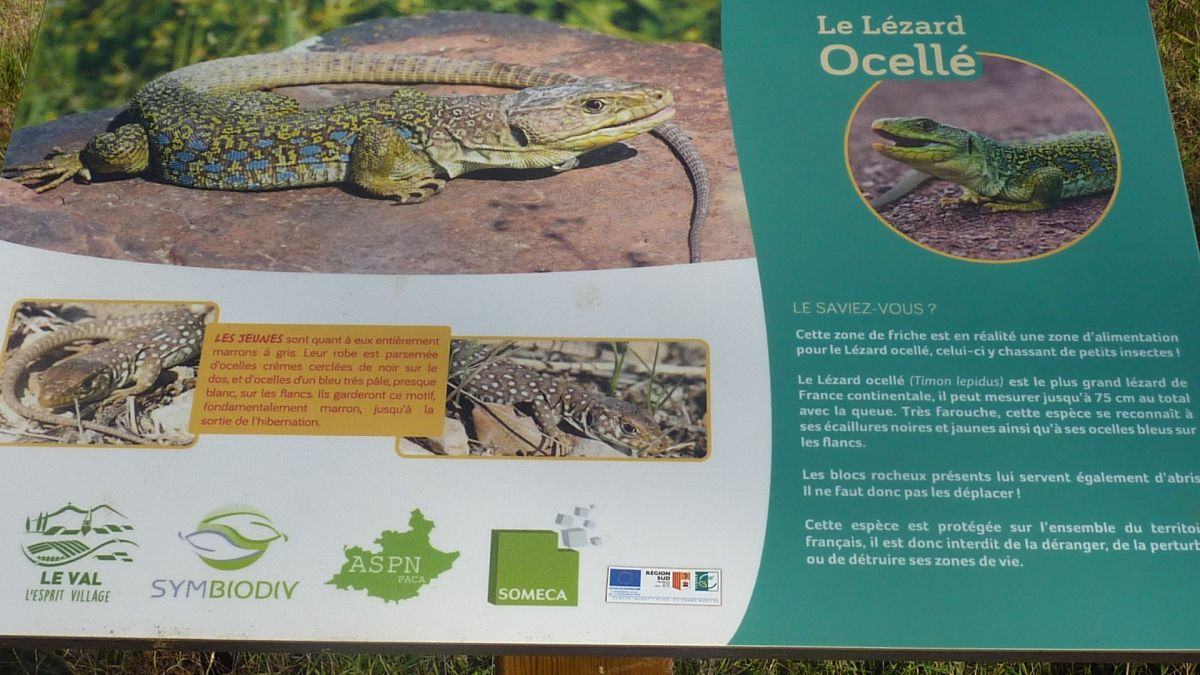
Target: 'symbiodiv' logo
[(232, 537)]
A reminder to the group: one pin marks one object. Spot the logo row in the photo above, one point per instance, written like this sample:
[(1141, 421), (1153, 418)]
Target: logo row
[(72, 544)]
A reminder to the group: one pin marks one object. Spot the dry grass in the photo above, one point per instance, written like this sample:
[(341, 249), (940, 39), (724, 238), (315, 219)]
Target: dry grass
[(18, 22)]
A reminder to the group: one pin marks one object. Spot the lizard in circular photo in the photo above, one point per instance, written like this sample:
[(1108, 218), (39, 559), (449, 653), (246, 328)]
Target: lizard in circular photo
[(970, 169)]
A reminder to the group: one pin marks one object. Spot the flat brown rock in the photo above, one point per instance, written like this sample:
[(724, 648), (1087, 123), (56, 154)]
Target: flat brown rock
[(627, 206)]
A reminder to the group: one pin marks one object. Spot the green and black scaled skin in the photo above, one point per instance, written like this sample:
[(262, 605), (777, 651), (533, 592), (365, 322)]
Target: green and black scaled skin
[(1002, 176), (211, 126)]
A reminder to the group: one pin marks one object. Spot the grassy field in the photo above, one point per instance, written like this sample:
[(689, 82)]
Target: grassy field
[(18, 20), (76, 662), (1178, 25)]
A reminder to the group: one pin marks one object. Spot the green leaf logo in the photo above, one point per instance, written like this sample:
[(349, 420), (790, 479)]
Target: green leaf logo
[(232, 537)]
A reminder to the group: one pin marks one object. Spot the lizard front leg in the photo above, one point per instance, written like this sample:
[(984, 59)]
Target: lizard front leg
[(383, 164), (1040, 190), (124, 151), (555, 441), (968, 196), (147, 374)]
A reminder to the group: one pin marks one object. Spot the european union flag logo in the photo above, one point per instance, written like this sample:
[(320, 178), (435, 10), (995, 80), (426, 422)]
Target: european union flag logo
[(624, 578)]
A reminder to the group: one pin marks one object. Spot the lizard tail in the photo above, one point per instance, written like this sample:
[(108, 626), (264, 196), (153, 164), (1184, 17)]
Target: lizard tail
[(681, 144), (280, 69), (910, 181)]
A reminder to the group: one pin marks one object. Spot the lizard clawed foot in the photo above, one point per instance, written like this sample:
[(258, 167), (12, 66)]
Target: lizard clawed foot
[(567, 165), (420, 193), (50, 173), (973, 199)]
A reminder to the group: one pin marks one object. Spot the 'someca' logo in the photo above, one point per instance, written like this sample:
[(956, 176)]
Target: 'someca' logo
[(528, 568), (232, 537), (73, 533)]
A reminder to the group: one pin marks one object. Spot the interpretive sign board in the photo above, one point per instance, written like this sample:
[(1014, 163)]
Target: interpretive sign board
[(318, 347)]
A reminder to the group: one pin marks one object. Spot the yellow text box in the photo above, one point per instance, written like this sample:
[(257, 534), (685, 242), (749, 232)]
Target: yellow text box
[(322, 379)]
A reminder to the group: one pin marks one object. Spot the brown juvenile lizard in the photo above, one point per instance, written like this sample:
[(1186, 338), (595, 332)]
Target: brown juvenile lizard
[(482, 376), (137, 350)]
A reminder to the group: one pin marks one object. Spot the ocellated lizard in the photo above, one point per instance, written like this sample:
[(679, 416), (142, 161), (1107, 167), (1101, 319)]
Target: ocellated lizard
[(137, 349), (210, 125), (484, 376), (1002, 176)]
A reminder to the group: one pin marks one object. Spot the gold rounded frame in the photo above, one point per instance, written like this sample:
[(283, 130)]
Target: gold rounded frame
[(1091, 228)]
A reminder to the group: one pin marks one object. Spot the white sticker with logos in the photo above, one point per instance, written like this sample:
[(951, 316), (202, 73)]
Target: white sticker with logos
[(664, 585)]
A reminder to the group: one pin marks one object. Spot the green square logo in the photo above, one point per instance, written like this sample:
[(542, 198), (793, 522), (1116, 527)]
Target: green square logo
[(528, 568)]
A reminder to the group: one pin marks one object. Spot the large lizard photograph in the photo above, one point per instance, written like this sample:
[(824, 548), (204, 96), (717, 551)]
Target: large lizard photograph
[(441, 143), (1012, 166)]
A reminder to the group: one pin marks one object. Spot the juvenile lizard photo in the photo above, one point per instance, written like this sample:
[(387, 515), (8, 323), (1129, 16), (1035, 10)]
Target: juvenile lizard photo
[(119, 355)]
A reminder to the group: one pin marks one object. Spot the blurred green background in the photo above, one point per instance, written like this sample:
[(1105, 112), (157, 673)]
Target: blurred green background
[(95, 53)]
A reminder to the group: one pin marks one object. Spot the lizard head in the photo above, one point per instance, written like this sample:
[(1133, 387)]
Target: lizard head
[(69, 381), (585, 115), (927, 145), (627, 425)]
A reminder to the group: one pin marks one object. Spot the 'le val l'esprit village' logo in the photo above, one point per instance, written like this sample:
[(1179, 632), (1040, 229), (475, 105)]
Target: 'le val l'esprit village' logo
[(67, 537), (229, 539), (404, 563)]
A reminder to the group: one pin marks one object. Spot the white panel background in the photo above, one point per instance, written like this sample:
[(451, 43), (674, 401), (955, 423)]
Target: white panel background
[(329, 492)]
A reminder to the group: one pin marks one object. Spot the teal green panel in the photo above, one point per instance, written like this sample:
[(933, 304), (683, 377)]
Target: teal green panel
[(1136, 271)]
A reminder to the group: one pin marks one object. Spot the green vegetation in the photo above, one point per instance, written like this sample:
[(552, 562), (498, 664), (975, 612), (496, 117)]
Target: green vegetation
[(18, 19), (1177, 24), (80, 662), (96, 54), (112, 662)]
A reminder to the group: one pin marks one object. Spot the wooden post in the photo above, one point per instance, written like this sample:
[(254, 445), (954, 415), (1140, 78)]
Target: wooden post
[(583, 665)]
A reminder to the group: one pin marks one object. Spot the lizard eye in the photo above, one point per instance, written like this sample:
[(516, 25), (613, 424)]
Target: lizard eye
[(628, 429), (926, 125), (593, 105)]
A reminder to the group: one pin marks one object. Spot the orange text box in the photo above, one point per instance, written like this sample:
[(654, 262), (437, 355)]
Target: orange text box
[(322, 379)]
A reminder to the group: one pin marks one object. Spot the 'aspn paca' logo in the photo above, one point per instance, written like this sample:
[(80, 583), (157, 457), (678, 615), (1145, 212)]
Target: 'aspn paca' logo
[(233, 537)]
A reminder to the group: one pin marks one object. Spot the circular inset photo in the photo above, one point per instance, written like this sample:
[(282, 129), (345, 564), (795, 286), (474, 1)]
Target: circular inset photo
[(1012, 166)]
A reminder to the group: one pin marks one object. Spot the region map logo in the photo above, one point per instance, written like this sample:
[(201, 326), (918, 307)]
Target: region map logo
[(404, 563)]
